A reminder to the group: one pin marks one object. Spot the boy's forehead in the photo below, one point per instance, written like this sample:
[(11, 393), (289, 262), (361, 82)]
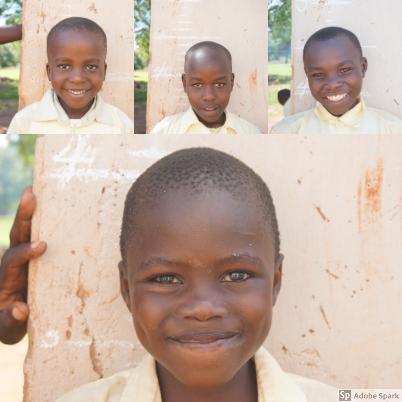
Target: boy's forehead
[(70, 39), (340, 47), (202, 58)]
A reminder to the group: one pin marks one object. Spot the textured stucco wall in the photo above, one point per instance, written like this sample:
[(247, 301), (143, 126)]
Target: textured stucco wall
[(339, 206), (376, 24), (39, 16), (239, 25)]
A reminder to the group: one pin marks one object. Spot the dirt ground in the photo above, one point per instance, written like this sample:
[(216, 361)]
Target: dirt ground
[(11, 371), (6, 115), (140, 119)]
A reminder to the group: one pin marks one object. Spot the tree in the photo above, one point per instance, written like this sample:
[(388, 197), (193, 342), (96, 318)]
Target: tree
[(11, 10), (24, 145), (142, 26), (280, 22)]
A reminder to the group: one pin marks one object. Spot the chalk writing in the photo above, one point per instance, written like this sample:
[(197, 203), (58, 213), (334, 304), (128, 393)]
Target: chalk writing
[(54, 339), (303, 89), (77, 163)]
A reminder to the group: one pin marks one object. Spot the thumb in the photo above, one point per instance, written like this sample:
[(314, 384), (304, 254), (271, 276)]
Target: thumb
[(13, 322)]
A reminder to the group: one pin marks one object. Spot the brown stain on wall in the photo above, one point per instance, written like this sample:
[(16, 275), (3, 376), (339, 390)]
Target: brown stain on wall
[(369, 194), (92, 8), (253, 78)]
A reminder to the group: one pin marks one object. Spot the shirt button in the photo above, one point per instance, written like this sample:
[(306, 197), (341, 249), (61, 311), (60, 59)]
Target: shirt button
[(337, 121)]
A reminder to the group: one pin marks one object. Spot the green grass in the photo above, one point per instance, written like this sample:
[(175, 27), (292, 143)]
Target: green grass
[(280, 70), (141, 98), (8, 94), (5, 226), (141, 76), (13, 73)]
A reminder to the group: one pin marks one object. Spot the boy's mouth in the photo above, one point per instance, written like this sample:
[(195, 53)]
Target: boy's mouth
[(337, 98), (204, 340), (77, 94), (210, 111)]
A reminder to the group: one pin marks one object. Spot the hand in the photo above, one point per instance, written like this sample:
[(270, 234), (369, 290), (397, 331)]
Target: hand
[(14, 272)]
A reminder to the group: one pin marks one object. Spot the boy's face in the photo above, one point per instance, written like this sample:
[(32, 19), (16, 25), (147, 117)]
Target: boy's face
[(208, 82), (201, 281), (335, 73), (77, 69)]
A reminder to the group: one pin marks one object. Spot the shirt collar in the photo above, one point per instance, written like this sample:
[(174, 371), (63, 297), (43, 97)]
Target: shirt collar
[(190, 118), (273, 384), (50, 109), (351, 118)]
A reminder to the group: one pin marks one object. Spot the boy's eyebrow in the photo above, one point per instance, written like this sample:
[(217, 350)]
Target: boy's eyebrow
[(216, 79), (68, 59), (339, 65), (223, 261)]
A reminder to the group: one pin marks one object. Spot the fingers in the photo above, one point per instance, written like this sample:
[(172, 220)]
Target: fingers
[(21, 230), (14, 259), (13, 322)]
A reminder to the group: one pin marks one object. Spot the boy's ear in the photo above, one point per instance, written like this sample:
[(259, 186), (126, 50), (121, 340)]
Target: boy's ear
[(364, 66), (184, 81), (48, 71), (104, 74), (305, 72), (232, 81), (277, 279), (124, 287)]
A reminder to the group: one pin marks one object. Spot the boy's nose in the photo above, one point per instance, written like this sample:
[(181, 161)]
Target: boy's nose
[(76, 77), (209, 95), (202, 309), (333, 83)]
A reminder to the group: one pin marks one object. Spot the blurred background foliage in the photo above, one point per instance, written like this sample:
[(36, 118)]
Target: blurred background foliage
[(142, 26)]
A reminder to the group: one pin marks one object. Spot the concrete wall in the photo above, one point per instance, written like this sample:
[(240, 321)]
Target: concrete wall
[(376, 24), (39, 16), (339, 206), (241, 26)]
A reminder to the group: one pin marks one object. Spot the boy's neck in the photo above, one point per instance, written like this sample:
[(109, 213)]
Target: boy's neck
[(75, 113), (241, 388), (216, 124)]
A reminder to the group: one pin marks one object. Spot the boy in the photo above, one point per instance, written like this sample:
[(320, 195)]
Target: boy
[(200, 272), (335, 68), (284, 100), (208, 82), (76, 49)]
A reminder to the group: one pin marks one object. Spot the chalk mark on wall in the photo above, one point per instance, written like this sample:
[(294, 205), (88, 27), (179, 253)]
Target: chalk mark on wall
[(122, 77), (54, 339), (150, 153), (84, 156), (303, 89), (301, 5)]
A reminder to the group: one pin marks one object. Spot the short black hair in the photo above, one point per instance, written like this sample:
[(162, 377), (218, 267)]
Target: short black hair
[(211, 47), (283, 94), (329, 33), (197, 170), (76, 24)]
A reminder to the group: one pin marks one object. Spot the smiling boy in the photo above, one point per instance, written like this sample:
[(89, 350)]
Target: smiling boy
[(200, 273), (335, 67), (76, 50), (208, 82)]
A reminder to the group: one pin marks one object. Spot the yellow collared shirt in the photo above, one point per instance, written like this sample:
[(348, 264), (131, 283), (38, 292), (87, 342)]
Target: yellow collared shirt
[(141, 385), (358, 120), (48, 117), (188, 123)]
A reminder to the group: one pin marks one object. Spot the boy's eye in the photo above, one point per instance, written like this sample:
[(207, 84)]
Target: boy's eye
[(64, 66), (345, 70), (236, 276), (166, 279), (317, 75), (92, 68), (220, 84), (197, 85)]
